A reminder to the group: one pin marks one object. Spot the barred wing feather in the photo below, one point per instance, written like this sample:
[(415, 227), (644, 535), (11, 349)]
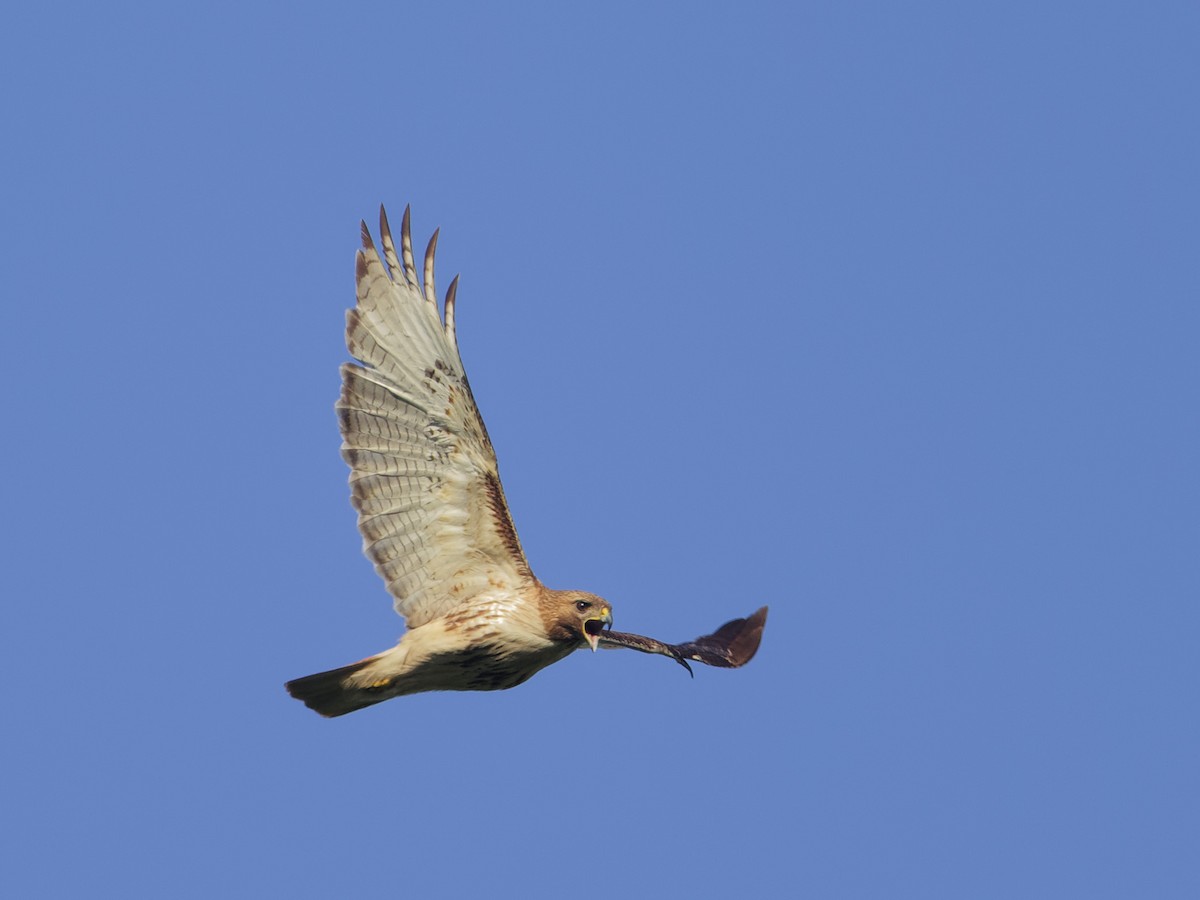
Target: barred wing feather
[(424, 477)]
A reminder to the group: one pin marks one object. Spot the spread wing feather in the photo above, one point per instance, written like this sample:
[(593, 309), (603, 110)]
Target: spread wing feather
[(423, 473)]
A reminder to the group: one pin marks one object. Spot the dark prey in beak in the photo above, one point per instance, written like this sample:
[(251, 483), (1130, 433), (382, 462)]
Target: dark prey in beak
[(733, 644)]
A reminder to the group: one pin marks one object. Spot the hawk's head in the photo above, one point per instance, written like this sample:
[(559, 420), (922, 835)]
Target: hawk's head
[(579, 616)]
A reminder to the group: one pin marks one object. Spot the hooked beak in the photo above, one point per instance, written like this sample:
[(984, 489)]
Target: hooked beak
[(593, 626)]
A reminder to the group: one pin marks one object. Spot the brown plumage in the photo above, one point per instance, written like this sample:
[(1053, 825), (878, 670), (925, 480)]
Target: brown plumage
[(434, 521)]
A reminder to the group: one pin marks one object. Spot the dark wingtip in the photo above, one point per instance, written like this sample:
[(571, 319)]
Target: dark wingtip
[(744, 637), (367, 243), (730, 646)]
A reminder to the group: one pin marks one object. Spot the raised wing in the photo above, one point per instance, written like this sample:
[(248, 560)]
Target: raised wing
[(733, 644), (423, 472)]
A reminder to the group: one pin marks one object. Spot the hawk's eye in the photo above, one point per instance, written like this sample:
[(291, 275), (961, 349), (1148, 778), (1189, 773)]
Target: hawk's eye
[(582, 605)]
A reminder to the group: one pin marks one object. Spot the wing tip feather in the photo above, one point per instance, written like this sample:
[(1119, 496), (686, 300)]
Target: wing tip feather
[(430, 252), (451, 299), (406, 246), (395, 269)]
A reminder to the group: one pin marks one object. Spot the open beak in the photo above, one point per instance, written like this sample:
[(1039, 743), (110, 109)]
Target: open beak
[(593, 626)]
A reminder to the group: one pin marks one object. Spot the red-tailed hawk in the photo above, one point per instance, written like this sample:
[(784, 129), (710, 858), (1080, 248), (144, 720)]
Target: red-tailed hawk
[(433, 516)]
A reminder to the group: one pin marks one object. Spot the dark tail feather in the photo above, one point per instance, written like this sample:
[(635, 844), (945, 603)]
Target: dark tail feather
[(329, 694)]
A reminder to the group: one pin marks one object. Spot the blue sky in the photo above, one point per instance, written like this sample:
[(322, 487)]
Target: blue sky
[(883, 314)]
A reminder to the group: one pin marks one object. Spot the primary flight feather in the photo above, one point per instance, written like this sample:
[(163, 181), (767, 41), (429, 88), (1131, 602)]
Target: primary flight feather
[(434, 521)]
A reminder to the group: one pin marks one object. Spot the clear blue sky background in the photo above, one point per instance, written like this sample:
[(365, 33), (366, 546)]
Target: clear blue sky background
[(886, 315)]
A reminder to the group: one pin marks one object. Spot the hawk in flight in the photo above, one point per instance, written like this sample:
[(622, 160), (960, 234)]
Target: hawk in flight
[(424, 479)]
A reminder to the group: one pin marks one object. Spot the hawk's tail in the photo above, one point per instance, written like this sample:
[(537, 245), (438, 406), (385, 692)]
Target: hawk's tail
[(337, 692)]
